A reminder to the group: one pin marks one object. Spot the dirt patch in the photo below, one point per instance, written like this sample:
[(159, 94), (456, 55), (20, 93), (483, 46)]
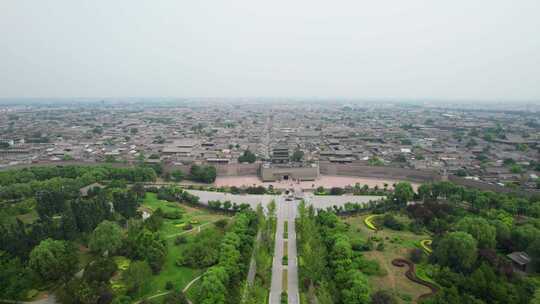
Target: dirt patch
[(396, 279)]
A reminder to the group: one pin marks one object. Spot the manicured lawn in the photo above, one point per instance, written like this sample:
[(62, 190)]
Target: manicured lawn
[(30, 217), (392, 238), (195, 216), (170, 272), (179, 276), (423, 272), (397, 244)]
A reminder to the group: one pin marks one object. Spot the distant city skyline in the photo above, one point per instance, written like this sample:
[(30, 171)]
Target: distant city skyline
[(459, 51)]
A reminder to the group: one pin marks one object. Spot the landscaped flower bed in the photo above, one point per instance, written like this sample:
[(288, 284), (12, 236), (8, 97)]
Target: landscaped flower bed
[(369, 222), (426, 246)]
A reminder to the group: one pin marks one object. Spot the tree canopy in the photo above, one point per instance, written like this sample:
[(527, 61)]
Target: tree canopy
[(54, 260), (456, 250), (107, 237)]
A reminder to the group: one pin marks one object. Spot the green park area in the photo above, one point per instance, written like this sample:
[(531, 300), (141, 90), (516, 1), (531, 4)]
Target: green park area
[(191, 217), (179, 233), (99, 235), (385, 245)]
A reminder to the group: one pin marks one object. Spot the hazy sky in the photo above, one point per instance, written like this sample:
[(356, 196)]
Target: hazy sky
[(458, 49)]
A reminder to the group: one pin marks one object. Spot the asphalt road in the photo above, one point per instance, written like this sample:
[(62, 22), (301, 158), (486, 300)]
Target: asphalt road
[(285, 211), (292, 267), (277, 269)]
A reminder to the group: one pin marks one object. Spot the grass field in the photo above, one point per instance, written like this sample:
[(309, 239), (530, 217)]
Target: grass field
[(397, 244), (179, 276), (195, 216), (170, 272)]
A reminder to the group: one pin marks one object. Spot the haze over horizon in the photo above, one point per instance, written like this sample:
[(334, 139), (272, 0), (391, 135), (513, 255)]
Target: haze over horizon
[(459, 50)]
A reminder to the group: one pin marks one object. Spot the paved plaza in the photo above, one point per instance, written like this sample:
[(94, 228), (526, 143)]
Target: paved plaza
[(326, 181), (319, 202)]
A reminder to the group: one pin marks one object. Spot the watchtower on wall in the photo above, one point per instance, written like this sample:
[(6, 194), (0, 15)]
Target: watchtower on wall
[(281, 168), (280, 154)]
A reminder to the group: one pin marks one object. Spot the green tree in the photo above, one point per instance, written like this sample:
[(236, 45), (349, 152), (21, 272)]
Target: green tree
[(106, 238), (177, 175), (456, 250), (100, 270), (15, 279), (314, 263), (534, 251), (247, 157), (516, 169), (403, 193), (175, 297), (524, 235), (298, 155), (150, 247), (79, 291), (136, 276), (50, 202), (480, 229), (358, 292), (139, 190), (383, 297), (203, 250), (54, 260), (203, 174), (213, 289), (155, 221), (125, 202)]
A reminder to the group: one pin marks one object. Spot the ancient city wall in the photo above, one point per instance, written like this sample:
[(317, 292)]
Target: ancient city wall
[(485, 186), (223, 169), (325, 168), (352, 169)]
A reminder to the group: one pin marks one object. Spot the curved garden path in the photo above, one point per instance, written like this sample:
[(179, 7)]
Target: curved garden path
[(411, 275)]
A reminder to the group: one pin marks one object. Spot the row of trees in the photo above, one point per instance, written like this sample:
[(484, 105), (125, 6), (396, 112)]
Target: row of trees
[(357, 189), (264, 251), (221, 283), (203, 174), (328, 263), (174, 193), (227, 206), (18, 184), (99, 173), (236, 190), (21, 183)]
